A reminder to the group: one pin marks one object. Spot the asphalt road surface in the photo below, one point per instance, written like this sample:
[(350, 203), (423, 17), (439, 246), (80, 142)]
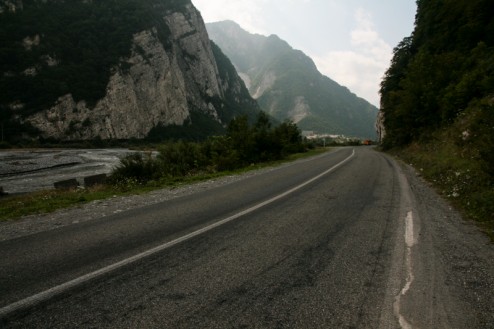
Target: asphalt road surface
[(349, 239)]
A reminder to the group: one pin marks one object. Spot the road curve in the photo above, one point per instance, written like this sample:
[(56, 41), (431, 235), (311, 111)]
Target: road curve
[(349, 239)]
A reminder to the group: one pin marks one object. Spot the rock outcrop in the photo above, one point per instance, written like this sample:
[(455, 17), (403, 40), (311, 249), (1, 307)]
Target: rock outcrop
[(380, 128), (151, 92), (171, 71)]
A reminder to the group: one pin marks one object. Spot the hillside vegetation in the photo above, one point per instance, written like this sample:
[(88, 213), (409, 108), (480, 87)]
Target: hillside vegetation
[(438, 102)]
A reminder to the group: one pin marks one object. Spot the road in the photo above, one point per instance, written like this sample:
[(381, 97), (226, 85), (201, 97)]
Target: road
[(348, 239)]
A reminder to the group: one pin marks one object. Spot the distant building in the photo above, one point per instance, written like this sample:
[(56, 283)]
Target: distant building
[(308, 134)]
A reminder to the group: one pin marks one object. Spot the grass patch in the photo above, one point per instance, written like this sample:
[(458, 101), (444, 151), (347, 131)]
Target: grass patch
[(457, 174), (15, 207), (12, 207)]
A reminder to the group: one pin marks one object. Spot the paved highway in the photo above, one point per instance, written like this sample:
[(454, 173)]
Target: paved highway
[(349, 239)]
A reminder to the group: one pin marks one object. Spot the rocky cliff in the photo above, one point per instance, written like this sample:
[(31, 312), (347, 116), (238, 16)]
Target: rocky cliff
[(169, 73), (380, 126)]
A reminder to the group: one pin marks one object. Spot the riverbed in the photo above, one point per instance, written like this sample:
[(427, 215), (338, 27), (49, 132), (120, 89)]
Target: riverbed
[(24, 171)]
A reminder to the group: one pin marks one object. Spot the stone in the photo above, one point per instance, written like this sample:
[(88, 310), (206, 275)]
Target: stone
[(67, 184), (93, 180)]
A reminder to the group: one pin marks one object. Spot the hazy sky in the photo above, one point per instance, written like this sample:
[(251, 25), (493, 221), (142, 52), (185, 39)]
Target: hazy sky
[(351, 41)]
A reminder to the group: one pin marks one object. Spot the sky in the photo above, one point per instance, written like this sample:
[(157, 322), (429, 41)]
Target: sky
[(351, 41)]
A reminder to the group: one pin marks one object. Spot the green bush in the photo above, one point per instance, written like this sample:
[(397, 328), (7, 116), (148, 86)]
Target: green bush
[(136, 168), (222, 156), (181, 158), (243, 145)]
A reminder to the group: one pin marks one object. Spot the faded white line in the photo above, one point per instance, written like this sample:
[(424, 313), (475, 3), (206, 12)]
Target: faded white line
[(57, 290), (410, 241)]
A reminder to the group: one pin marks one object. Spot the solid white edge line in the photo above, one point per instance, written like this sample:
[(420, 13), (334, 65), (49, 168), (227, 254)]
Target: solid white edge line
[(57, 290)]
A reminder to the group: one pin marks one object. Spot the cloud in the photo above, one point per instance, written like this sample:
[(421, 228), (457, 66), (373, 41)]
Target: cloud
[(362, 67), (247, 13), (359, 67), (255, 16)]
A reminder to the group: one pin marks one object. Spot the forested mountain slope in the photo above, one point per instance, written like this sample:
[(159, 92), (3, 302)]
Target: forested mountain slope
[(76, 70), (437, 101), (287, 84), (445, 70)]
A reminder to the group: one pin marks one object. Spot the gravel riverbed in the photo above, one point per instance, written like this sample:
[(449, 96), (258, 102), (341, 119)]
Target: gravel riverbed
[(24, 171)]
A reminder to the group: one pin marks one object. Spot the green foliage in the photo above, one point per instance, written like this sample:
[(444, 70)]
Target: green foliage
[(135, 168), (181, 158), (243, 145), (455, 163), (48, 201), (440, 70), (474, 130), (198, 128), (438, 99)]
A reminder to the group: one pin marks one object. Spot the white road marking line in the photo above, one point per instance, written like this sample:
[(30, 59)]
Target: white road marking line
[(410, 241), (57, 290)]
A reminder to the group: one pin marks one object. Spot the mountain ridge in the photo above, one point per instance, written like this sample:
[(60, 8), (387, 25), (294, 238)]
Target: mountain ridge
[(112, 70), (287, 84)]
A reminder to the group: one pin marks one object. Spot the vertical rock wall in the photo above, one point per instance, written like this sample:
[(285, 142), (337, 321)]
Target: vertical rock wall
[(156, 85)]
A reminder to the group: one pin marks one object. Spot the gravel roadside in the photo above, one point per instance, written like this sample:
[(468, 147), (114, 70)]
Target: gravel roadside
[(457, 257), (102, 208)]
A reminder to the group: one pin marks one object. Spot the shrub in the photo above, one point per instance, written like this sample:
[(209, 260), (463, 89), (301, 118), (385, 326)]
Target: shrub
[(222, 156), (243, 145), (181, 158), (135, 168)]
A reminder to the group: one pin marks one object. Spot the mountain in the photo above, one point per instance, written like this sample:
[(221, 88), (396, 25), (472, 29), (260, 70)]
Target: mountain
[(441, 73), (83, 69), (287, 84)]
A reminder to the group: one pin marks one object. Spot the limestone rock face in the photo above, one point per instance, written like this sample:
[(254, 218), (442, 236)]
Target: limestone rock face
[(150, 92), (380, 129), (159, 84)]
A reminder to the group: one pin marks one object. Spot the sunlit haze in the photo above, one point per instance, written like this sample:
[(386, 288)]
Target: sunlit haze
[(351, 41)]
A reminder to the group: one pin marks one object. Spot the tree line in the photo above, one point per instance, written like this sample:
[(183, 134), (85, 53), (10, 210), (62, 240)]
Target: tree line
[(243, 144), (437, 72), (443, 74)]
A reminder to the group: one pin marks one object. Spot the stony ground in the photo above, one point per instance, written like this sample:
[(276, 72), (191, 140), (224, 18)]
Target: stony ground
[(24, 171)]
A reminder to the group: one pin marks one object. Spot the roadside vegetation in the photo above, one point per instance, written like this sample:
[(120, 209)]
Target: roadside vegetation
[(458, 161), (245, 147), (437, 98), (244, 144)]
